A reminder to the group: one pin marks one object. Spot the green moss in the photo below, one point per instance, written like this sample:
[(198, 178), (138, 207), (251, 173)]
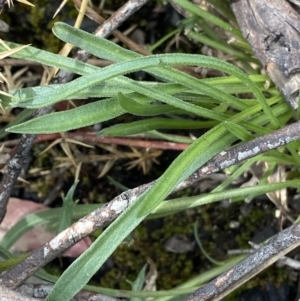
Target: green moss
[(53, 269), (148, 243)]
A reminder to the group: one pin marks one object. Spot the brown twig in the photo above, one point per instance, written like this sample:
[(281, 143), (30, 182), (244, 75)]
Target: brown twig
[(108, 27), (106, 214), (91, 14), (92, 138)]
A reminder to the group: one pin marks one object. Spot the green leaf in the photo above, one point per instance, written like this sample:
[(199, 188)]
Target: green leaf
[(138, 283), (104, 48), (66, 216), (64, 91), (25, 114), (146, 125), (198, 37), (12, 261), (107, 89), (196, 10), (86, 115), (138, 109), (33, 54), (108, 50), (224, 9), (170, 137), (198, 240), (239, 131), (181, 204)]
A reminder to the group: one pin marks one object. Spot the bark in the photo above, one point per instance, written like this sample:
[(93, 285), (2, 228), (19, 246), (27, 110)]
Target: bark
[(272, 28)]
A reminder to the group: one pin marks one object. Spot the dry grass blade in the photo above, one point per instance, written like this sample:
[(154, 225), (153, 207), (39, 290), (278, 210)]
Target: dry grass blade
[(9, 50), (25, 2), (5, 54), (145, 159), (11, 3), (68, 47), (3, 79), (60, 8), (65, 140)]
